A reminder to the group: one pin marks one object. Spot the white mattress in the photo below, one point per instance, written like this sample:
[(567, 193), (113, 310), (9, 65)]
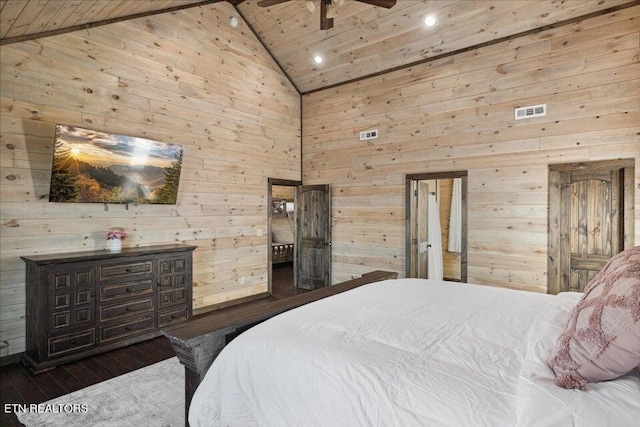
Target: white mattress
[(403, 352)]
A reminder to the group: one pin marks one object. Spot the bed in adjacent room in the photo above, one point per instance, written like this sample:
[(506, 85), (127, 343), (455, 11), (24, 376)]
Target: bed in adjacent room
[(409, 352)]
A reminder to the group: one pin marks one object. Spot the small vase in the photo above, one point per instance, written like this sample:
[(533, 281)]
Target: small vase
[(115, 245)]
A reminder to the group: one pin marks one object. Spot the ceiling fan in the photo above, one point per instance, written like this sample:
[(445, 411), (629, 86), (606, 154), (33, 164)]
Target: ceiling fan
[(327, 8)]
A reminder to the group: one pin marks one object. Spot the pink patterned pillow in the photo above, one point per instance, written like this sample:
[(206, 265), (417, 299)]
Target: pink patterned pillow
[(602, 339)]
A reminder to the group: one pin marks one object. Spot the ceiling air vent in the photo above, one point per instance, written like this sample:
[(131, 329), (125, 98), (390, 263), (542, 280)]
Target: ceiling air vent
[(368, 134), (532, 111)]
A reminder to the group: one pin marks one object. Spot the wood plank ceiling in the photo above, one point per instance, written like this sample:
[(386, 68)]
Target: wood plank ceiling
[(365, 40), (25, 17)]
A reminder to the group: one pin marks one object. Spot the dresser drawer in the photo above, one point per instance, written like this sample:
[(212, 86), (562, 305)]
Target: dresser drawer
[(64, 300), (68, 277), (173, 281), (110, 312), (70, 309), (173, 316), (76, 317), (173, 264), (71, 342), (131, 327), (172, 297), (125, 290), (126, 270)]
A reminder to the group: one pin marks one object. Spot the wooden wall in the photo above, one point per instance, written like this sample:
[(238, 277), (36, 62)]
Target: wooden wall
[(184, 77), (457, 113)]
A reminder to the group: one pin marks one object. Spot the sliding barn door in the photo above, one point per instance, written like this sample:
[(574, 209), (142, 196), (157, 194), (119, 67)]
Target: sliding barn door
[(313, 239), (587, 224)]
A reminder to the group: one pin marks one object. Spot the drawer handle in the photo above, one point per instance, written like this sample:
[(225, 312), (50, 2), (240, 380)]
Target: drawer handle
[(159, 284), (128, 290), (173, 316), (128, 328), (128, 270), (73, 342), (127, 309)]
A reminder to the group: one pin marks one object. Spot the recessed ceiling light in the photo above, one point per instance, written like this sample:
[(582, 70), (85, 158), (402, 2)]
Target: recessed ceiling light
[(430, 21), (318, 59), (233, 21)]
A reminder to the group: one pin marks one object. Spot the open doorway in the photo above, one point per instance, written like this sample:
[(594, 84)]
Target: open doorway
[(282, 237), (299, 237), (437, 226)]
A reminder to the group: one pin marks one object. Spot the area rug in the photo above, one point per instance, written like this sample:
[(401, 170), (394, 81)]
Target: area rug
[(151, 396)]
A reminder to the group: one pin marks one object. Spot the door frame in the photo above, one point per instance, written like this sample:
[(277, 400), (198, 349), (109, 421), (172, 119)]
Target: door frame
[(557, 241), (285, 183), (410, 183)]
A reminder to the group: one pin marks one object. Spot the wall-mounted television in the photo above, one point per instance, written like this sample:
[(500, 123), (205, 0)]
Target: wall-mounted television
[(98, 167)]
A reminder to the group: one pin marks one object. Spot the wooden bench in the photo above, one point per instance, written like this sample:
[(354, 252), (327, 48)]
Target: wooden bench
[(199, 341)]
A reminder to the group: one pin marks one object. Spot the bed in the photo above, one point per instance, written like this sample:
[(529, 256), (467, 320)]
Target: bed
[(408, 352)]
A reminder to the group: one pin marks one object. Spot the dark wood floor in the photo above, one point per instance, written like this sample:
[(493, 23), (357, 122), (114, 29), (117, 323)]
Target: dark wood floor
[(18, 385), (282, 285)]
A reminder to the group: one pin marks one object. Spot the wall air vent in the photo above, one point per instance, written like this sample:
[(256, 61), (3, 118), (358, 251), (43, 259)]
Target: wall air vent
[(532, 111), (368, 134)]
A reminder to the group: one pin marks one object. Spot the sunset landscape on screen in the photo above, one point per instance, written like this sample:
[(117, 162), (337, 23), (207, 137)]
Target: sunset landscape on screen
[(97, 167)]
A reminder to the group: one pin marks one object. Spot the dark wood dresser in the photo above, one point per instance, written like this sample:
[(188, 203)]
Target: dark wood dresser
[(83, 303)]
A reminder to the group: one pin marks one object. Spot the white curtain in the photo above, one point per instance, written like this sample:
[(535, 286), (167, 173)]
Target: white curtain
[(455, 218), (434, 254)]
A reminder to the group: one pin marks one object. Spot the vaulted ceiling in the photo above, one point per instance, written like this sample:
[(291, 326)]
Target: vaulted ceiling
[(365, 40)]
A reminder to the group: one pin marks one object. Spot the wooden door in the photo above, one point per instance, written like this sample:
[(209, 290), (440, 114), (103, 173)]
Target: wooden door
[(422, 230), (418, 234), (313, 238), (587, 224)]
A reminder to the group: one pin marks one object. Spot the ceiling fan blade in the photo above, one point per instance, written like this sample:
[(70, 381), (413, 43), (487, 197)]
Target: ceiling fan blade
[(325, 23), (267, 3), (380, 3)]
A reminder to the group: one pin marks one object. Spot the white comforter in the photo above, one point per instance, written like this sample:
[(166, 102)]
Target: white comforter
[(395, 353)]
